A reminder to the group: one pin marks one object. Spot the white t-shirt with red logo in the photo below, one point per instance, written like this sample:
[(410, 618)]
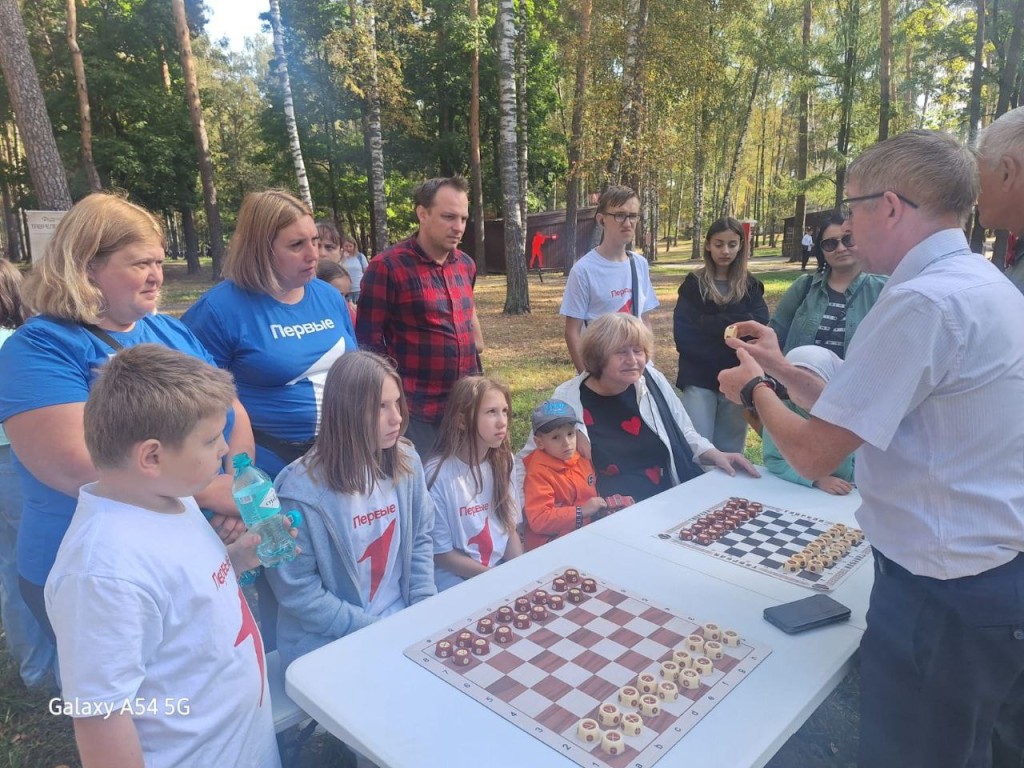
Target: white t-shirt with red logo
[(150, 622), (465, 520), (597, 286), (375, 530)]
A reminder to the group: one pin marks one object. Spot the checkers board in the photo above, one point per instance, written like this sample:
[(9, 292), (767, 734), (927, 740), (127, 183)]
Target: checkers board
[(767, 540), (562, 669)]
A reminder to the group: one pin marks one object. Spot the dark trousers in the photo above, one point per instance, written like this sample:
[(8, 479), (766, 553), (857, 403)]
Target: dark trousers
[(805, 258), (422, 434), (942, 670)]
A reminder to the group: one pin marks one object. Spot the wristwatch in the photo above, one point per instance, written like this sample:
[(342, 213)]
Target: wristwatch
[(747, 393)]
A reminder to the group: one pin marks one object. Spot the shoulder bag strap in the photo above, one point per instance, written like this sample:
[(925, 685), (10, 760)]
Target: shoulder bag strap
[(635, 294), (682, 454), (103, 336)]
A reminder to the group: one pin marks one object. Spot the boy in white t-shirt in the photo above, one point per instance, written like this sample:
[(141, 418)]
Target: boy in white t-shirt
[(161, 661), (601, 282)]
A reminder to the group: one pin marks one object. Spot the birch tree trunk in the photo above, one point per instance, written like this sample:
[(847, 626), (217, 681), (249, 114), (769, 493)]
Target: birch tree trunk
[(572, 187), (477, 198), (521, 113), (517, 295), (699, 153), (84, 113), (195, 109), (974, 110), (289, 105), (45, 168)]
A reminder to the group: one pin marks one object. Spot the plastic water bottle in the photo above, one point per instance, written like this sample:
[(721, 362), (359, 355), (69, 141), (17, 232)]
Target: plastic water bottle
[(261, 511)]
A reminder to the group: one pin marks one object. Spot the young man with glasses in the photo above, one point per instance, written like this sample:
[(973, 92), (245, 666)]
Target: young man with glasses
[(602, 281), (932, 398)]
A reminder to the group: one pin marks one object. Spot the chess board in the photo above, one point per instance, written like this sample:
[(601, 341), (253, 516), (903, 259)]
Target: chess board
[(563, 669), (773, 536)]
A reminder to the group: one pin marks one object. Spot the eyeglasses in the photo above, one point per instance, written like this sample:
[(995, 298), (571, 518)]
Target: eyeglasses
[(622, 218), (847, 211), (832, 243)]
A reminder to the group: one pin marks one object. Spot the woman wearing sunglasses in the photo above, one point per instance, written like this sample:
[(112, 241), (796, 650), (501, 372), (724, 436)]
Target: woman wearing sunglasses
[(825, 308)]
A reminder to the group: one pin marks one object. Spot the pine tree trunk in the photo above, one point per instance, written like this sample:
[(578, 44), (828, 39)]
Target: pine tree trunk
[(1008, 79), (977, 73), (801, 137), (364, 22), (572, 187), (477, 197), (884, 72), (11, 226), (851, 28), (195, 109), (45, 168), (188, 228), (84, 114), (289, 106), (517, 296), (636, 18), (744, 123)]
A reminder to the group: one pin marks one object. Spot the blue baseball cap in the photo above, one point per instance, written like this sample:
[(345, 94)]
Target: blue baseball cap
[(551, 414)]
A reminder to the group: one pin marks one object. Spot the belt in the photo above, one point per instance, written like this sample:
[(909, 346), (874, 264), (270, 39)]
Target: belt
[(894, 570)]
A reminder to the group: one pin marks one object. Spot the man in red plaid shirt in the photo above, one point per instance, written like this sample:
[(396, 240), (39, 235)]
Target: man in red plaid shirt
[(416, 306)]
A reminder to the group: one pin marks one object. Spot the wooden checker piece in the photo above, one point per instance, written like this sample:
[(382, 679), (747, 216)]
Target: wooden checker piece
[(540, 678), (774, 541)]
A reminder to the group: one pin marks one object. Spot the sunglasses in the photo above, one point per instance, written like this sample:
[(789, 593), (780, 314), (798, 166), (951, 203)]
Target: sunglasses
[(832, 243)]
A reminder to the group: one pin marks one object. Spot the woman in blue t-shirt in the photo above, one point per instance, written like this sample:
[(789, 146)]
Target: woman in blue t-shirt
[(274, 325), (95, 290)]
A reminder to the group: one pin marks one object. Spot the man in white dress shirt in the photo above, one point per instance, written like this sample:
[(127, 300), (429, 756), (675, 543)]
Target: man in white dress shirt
[(932, 398)]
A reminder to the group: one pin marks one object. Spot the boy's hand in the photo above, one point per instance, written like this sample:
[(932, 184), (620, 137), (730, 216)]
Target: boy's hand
[(834, 485), (228, 528), (243, 551), (616, 501), (592, 506)]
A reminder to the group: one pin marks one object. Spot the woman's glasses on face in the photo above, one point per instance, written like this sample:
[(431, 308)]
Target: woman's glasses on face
[(832, 243)]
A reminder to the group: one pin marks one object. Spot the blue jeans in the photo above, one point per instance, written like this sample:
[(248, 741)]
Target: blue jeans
[(716, 418), (31, 649)]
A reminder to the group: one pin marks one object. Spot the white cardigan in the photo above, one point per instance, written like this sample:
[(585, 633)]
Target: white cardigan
[(569, 391)]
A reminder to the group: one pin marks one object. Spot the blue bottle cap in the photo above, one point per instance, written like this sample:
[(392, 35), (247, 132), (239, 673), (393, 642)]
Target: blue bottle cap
[(241, 460)]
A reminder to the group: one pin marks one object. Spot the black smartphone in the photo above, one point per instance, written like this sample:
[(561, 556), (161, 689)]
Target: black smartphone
[(808, 613)]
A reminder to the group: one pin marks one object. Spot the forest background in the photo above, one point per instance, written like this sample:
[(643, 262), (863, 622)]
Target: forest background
[(746, 107)]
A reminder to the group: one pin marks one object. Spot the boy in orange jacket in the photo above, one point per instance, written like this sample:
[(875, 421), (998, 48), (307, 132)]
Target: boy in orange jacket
[(560, 490)]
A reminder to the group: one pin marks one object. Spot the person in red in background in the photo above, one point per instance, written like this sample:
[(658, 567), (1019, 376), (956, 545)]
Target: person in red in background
[(561, 485), (536, 255)]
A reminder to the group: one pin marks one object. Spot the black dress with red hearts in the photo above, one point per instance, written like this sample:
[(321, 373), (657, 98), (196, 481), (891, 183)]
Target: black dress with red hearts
[(629, 456)]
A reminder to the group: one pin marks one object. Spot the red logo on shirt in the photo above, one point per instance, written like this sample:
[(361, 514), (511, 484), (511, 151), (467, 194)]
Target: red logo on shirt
[(484, 542), (221, 574), (376, 514), (249, 629), (476, 509), (377, 553)]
